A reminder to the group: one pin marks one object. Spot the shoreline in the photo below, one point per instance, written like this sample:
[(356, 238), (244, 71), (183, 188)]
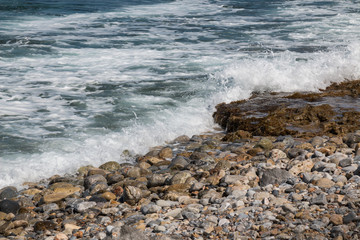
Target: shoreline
[(221, 185)]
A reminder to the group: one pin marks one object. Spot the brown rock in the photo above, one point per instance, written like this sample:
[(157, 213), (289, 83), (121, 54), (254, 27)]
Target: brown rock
[(44, 225), (132, 194), (336, 219), (166, 153), (31, 191), (324, 183), (180, 177), (110, 166), (108, 196)]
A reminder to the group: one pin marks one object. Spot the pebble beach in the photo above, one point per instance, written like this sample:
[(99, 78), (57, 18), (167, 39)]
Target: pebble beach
[(227, 184)]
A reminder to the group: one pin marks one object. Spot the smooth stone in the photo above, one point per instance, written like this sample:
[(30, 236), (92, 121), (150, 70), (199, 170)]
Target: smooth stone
[(345, 162), (110, 166), (156, 180), (317, 141), (160, 229), (150, 208), (289, 208), (197, 186), (109, 211), (97, 199), (69, 228), (353, 168), (336, 219), (134, 172), (91, 180), (324, 183), (60, 194), (108, 196), (350, 217), (61, 236), (8, 193), (98, 187), (9, 206), (181, 139), (212, 219), (31, 191), (44, 225), (223, 222), (97, 171), (180, 177), (231, 179), (50, 207), (84, 206), (319, 199), (132, 194), (273, 176), (178, 163), (175, 213), (166, 153), (166, 203), (265, 144), (190, 215)]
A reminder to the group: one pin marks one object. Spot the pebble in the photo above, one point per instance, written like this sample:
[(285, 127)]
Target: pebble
[(202, 193)]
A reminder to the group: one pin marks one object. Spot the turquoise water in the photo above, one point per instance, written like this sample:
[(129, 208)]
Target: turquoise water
[(81, 81)]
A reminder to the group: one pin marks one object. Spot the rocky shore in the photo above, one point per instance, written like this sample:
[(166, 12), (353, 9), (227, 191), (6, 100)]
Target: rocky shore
[(287, 167)]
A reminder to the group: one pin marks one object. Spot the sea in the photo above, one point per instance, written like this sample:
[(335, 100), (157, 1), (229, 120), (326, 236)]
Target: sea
[(82, 81)]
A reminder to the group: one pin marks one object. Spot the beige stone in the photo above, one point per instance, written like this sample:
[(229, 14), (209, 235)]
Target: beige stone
[(31, 191), (303, 166), (166, 153), (336, 219), (108, 196), (324, 183)]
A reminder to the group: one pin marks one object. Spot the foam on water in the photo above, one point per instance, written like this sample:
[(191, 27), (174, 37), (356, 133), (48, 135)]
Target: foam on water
[(81, 88)]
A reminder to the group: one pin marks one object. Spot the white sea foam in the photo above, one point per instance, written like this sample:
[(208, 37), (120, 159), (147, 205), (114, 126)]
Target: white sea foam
[(37, 90)]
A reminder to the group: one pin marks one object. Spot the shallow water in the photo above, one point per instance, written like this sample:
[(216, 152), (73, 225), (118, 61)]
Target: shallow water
[(82, 81)]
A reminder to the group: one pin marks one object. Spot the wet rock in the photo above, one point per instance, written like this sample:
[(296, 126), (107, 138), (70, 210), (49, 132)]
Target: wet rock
[(156, 180), (181, 139), (50, 207), (178, 163), (91, 180), (132, 194), (9, 206), (166, 153), (180, 177), (110, 166), (99, 187), (44, 225), (8, 193), (114, 178), (108, 196), (60, 193)]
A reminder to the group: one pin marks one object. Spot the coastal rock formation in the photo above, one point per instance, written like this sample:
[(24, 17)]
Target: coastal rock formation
[(234, 185), (333, 111)]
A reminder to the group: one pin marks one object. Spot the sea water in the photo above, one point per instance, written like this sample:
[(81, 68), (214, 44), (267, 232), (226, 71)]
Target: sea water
[(82, 81)]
